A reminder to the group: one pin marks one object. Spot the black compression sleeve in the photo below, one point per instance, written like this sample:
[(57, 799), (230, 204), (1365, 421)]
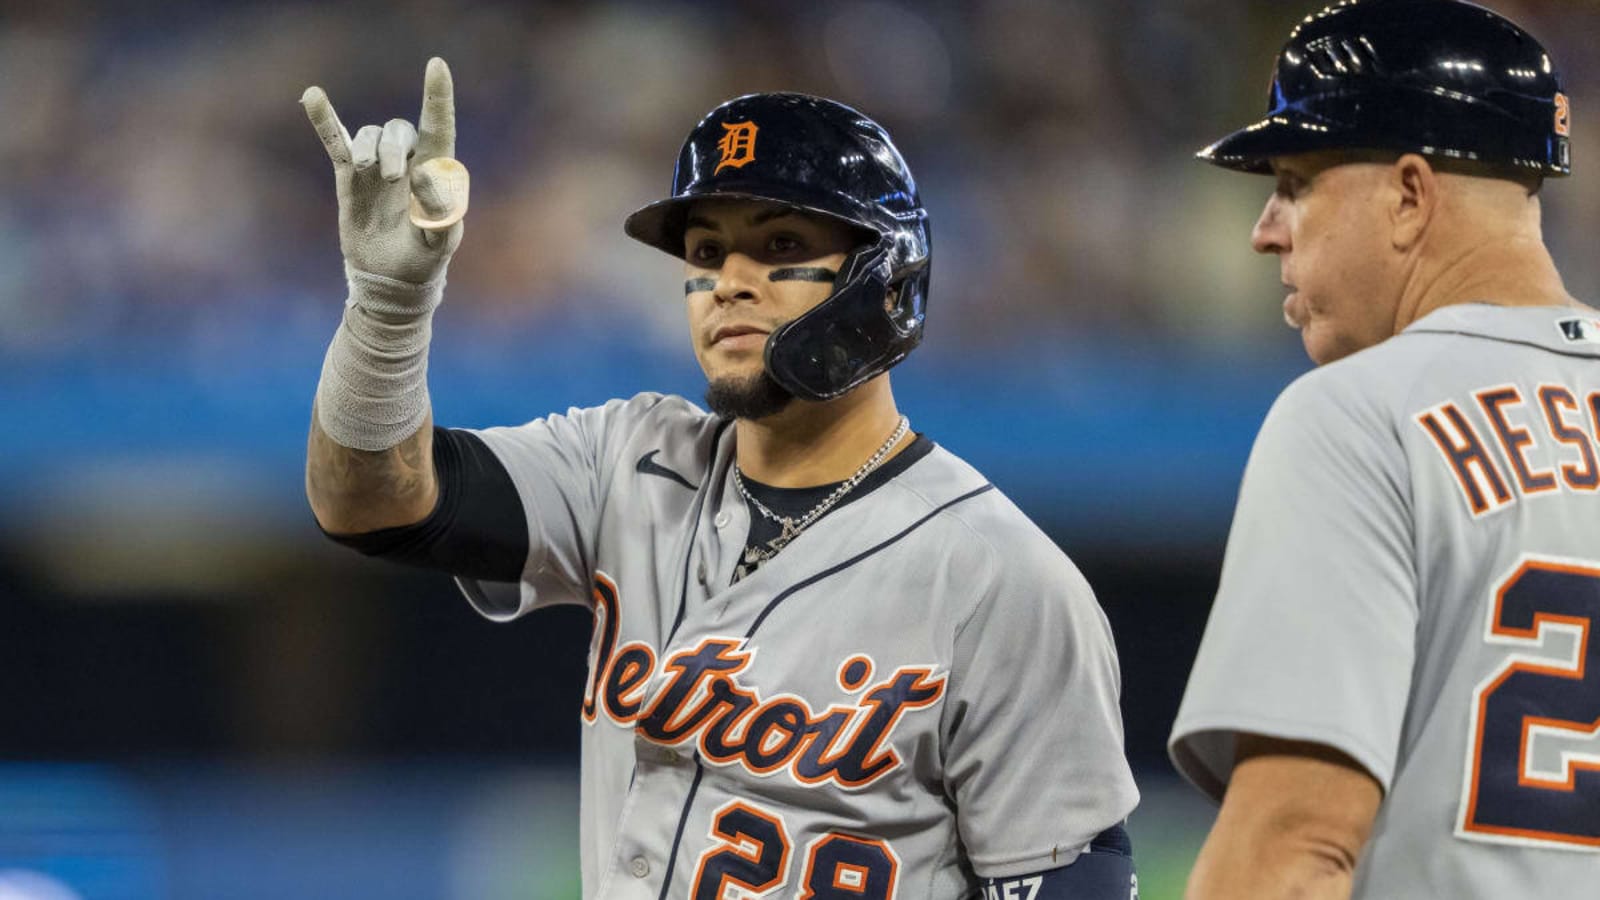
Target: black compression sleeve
[(1102, 872), (478, 529)]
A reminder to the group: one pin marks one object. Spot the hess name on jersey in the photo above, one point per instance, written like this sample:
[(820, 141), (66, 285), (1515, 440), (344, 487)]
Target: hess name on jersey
[(1514, 444)]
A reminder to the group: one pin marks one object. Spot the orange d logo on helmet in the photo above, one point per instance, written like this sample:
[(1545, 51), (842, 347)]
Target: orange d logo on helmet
[(738, 145), (1563, 115)]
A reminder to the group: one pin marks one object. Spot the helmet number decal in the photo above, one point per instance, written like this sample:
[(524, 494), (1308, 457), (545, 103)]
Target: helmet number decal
[(738, 145), (1563, 115)]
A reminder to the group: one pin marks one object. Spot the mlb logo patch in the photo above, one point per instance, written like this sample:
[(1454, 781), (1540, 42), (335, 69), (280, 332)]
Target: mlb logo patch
[(1585, 330)]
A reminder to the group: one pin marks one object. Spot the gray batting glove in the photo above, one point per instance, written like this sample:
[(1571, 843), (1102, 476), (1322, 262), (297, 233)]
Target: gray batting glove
[(401, 193)]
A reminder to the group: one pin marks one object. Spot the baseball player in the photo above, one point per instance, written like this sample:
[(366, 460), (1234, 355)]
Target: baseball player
[(829, 659), (1398, 692)]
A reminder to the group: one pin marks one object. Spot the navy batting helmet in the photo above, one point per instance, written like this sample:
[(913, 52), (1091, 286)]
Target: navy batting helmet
[(1442, 78), (824, 158)]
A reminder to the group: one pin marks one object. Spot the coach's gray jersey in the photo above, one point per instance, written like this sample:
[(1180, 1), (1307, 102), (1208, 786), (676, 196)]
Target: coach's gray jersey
[(1413, 577), (919, 688)]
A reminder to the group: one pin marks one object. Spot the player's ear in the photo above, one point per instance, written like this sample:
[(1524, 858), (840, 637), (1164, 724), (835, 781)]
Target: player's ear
[(1414, 189)]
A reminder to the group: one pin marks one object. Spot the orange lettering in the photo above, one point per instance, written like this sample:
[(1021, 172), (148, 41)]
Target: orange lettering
[(1514, 440), (1584, 477), (738, 146), (1476, 472)]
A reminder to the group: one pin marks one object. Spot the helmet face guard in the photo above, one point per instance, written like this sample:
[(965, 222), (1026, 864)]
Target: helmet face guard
[(1443, 78), (826, 159), (859, 331)]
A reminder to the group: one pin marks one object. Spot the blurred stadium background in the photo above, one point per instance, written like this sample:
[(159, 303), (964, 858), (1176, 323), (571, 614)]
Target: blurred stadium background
[(201, 698)]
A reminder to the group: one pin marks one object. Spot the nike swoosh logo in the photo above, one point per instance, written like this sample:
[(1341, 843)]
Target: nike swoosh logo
[(648, 466)]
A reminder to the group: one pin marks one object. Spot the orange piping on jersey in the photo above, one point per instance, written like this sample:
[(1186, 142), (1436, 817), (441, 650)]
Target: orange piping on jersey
[(606, 628), (1556, 671), (833, 736), (1588, 477), (843, 881), (1594, 415), (1469, 819), (702, 701), (837, 879), (845, 745), (789, 720), (627, 681), (1514, 440), (675, 714), (1532, 834), (1467, 458), (735, 737), (919, 688), (849, 686), (1571, 767), (728, 839), (1553, 671)]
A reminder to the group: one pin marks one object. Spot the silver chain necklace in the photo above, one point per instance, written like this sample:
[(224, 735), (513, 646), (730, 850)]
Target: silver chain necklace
[(793, 526)]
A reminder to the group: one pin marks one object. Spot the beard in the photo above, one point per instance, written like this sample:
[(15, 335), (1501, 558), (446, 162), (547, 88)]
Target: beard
[(755, 397)]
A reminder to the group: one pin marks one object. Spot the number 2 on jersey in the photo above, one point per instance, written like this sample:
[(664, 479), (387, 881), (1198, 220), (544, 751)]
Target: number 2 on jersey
[(751, 853), (749, 857), (1533, 766)]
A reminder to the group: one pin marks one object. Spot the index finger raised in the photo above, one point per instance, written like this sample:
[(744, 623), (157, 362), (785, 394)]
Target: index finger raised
[(334, 137), (436, 127)]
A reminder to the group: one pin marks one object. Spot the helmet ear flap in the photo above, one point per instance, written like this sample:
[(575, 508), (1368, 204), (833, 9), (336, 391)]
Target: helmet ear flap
[(869, 262), (843, 341), (908, 298)]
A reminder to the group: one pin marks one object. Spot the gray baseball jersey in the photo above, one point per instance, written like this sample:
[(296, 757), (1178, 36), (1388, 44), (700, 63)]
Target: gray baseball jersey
[(1413, 578), (920, 690)]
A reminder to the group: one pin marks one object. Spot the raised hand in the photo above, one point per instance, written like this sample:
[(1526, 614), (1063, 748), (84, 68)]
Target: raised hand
[(401, 192)]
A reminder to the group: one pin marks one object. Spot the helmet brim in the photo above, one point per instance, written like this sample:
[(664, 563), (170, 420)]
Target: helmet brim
[(1251, 149), (1285, 133), (662, 224)]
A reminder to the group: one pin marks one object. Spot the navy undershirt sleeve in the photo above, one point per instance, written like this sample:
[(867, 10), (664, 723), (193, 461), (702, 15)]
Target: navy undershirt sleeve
[(1102, 872), (478, 529)]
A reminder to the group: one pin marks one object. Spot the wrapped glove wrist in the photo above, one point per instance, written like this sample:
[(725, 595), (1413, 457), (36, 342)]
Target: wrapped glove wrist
[(373, 393)]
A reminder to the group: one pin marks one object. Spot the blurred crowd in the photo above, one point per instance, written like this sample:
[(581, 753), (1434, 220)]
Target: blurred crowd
[(169, 254), (163, 190)]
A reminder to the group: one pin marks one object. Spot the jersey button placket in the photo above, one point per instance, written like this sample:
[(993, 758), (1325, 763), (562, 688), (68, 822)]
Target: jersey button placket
[(722, 519), (639, 866)]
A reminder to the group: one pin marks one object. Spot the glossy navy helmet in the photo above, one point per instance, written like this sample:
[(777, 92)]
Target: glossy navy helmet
[(1442, 78), (824, 158)]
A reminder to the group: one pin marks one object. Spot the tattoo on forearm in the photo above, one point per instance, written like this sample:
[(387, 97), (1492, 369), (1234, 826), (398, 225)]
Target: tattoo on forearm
[(804, 273), (695, 285), (370, 479), (394, 472)]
